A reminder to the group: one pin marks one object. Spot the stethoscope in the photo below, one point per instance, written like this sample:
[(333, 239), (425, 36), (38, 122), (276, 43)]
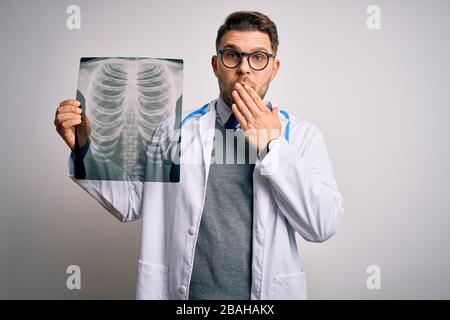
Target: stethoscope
[(198, 113), (202, 112)]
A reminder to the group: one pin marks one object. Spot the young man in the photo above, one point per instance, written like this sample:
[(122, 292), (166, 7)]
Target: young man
[(227, 230)]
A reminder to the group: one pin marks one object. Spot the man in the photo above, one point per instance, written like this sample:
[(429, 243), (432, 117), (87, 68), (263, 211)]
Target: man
[(227, 231)]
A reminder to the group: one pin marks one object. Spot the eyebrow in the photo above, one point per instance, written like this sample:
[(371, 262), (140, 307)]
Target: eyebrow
[(230, 45)]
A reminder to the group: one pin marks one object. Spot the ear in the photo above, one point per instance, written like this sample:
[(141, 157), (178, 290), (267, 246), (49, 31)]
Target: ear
[(214, 64), (275, 68)]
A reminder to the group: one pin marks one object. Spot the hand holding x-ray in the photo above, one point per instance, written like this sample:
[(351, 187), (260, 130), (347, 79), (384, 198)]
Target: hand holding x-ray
[(68, 116)]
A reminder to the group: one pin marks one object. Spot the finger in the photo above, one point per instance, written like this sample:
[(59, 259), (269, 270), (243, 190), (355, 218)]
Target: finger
[(275, 111), (239, 116), (256, 98), (67, 116), (69, 123), (242, 107), (247, 99), (68, 109), (71, 102)]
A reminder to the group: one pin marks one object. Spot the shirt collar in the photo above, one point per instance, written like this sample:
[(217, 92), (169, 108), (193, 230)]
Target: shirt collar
[(223, 110)]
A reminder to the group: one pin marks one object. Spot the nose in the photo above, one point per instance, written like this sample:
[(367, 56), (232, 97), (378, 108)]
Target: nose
[(244, 67)]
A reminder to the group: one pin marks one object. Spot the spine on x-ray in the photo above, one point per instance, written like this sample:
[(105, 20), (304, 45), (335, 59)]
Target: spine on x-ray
[(116, 91)]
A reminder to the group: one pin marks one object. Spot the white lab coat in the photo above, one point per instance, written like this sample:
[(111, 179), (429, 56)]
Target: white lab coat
[(294, 190)]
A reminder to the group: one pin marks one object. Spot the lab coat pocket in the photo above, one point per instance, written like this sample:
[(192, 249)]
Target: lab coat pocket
[(291, 286), (152, 283)]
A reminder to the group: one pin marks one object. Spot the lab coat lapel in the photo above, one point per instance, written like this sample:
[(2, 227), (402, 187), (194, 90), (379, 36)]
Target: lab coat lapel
[(207, 128), (262, 206)]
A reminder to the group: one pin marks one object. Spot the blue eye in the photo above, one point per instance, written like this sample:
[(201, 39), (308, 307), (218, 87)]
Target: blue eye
[(258, 56)]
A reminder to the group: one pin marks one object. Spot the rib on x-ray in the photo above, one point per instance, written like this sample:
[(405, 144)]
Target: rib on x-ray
[(125, 100)]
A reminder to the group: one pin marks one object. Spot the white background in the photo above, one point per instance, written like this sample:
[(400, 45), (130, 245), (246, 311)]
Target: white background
[(380, 97)]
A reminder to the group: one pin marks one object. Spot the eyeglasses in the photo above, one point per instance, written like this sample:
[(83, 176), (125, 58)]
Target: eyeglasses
[(257, 60)]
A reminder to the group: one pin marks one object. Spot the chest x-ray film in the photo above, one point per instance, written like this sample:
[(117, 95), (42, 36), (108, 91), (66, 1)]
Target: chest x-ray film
[(126, 102)]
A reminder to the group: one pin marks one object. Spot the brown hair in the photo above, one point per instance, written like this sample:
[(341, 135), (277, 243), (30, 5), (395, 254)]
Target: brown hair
[(249, 21)]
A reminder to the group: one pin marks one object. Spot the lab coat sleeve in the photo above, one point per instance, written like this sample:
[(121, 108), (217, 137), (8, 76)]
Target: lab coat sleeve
[(303, 184), (123, 199)]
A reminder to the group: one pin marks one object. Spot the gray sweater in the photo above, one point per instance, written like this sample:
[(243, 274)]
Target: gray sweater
[(223, 253)]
